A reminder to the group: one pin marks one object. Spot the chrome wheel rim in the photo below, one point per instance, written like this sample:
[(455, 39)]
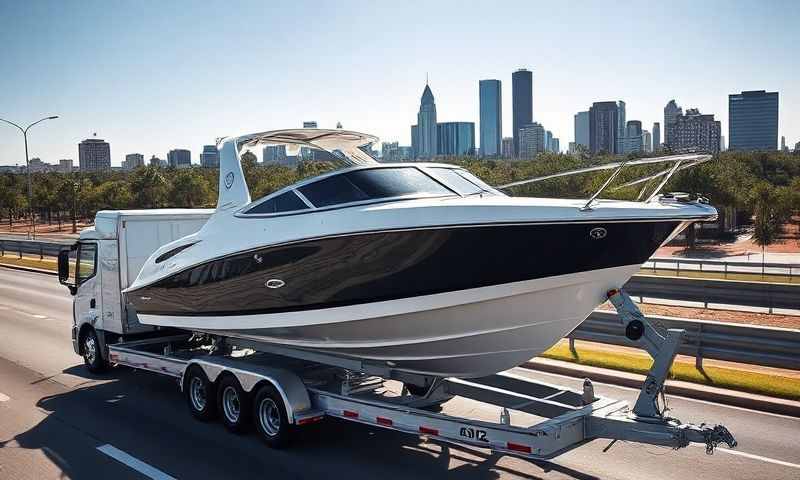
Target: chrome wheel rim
[(269, 417), (197, 393), (90, 349), (230, 404)]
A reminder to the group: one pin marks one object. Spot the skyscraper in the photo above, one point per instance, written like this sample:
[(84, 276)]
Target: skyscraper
[(647, 141), (531, 140), (424, 140), (603, 119), (179, 158), (94, 155), (621, 125), (671, 111), (656, 137), (784, 148), (555, 145), (133, 161), (209, 158), (507, 147), (455, 138), (633, 142), (753, 120), (276, 155), (521, 103), (548, 141), (582, 129), (694, 132), (491, 117)]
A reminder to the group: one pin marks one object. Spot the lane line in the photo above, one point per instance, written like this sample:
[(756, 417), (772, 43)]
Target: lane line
[(757, 457), (134, 463), (4, 397)]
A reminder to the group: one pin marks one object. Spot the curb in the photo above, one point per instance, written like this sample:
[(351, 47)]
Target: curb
[(734, 398), (28, 269)]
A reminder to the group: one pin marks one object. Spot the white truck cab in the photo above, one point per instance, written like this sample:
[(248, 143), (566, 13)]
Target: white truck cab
[(105, 260)]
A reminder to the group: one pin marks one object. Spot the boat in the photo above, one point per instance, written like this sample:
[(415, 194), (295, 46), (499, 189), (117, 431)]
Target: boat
[(420, 267)]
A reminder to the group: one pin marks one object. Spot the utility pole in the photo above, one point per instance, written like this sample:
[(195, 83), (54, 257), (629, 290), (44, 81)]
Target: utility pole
[(32, 226)]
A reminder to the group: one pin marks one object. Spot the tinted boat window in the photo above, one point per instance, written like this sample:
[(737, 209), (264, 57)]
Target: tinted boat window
[(370, 184), (457, 182), (285, 202)]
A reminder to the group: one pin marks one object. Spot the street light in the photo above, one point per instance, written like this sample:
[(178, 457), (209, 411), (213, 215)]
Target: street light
[(28, 165)]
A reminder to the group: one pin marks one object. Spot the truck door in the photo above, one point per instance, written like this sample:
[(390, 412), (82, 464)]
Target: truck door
[(87, 305)]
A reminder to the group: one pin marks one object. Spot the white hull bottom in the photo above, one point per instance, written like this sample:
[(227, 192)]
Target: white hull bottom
[(467, 333)]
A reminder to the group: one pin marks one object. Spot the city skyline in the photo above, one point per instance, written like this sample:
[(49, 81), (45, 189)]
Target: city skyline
[(116, 87)]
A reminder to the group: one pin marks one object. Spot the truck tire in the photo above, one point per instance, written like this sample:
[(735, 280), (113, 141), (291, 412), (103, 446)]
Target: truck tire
[(91, 352), (269, 415), (233, 404), (200, 394)]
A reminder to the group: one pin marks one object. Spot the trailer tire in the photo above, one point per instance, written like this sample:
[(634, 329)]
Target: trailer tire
[(269, 415), (233, 404), (200, 394), (91, 352)]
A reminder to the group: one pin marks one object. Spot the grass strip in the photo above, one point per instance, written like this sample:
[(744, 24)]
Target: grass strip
[(714, 275), (742, 380), (29, 262)]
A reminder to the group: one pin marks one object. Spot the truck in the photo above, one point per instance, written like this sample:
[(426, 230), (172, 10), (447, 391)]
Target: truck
[(276, 390)]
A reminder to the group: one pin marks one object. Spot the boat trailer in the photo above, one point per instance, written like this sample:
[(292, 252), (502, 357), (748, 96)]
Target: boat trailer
[(530, 419)]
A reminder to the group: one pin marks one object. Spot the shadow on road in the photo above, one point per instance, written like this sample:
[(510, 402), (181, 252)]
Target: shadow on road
[(144, 415)]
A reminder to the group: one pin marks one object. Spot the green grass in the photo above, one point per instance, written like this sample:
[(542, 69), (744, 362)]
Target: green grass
[(746, 277), (742, 380)]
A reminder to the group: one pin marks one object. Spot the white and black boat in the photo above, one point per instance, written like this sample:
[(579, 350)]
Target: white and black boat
[(421, 267)]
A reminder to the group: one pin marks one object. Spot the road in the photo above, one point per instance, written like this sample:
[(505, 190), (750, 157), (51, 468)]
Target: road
[(56, 421)]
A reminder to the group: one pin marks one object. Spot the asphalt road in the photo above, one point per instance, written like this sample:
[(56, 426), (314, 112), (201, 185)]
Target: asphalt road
[(57, 421)]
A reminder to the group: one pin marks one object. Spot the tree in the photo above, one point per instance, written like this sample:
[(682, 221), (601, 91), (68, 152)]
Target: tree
[(149, 187), (189, 189), (767, 218)]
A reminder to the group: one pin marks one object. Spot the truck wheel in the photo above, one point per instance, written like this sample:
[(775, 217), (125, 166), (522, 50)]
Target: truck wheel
[(269, 413), (92, 355), (233, 404), (199, 394)]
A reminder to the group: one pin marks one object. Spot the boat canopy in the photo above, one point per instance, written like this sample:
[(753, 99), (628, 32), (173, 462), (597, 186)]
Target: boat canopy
[(344, 145)]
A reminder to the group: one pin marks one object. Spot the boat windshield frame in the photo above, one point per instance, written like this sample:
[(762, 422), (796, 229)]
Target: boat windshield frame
[(422, 168)]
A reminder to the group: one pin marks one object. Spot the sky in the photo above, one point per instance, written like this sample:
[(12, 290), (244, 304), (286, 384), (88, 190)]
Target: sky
[(152, 76)]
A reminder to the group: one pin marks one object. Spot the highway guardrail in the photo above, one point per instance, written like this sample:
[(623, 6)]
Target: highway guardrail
[(749, 344), (43, 248), (723, 266)]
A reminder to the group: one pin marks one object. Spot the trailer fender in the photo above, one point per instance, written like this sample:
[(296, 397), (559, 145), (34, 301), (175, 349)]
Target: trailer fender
[(291, 388)]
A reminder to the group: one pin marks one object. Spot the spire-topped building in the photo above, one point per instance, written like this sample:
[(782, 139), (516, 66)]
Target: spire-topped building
[(423, 134)]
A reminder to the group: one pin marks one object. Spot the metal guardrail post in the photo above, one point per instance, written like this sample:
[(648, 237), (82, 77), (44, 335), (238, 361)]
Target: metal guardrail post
[(19, 248), (726, 269), (41, 252), (572, 347), (678, 269), (698, 359)]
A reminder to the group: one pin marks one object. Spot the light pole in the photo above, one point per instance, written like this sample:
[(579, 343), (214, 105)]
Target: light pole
[(28, 166)]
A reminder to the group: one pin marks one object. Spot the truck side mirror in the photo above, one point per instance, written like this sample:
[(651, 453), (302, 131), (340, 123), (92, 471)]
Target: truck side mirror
[(63, 271)]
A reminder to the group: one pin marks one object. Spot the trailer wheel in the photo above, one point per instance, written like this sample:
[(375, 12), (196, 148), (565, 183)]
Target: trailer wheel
[(269, 414), (90, 350), (233, 404), (199, 394)]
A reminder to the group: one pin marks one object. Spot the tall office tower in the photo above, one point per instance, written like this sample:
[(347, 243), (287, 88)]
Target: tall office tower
[(722, 146), (157, 162), (633, 142), (620, 127), (491, 117), (582, 129), (753, 120), (276, 155), (555, 145), (671, 112), (133, 161), (656, 137), (455, 138), (65, 165), (390, 151), (783, 144), (507, 147), (694, 132), (521, 103), (647, 140), (548, 141), (179, 158), (209, 157), (423, 140), (531, 140), (603, 127), (94, 155)]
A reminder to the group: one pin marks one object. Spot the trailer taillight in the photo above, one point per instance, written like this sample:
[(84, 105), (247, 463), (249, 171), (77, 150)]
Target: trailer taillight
[(349, 414), (519, 448), (386, 422), (428, 431)]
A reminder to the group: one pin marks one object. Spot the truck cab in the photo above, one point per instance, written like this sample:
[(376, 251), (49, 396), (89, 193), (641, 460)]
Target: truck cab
[(104, 261)]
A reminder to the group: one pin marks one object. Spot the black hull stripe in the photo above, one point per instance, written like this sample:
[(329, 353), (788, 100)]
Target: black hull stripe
[(373, 267)]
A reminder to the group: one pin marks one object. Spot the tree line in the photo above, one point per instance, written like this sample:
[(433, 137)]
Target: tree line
[(761, 184)]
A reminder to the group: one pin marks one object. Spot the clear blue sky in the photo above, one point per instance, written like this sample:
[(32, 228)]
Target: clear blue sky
[(152, 76)]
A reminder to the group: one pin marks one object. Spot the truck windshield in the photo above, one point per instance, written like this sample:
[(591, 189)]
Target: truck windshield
[(87, 262)]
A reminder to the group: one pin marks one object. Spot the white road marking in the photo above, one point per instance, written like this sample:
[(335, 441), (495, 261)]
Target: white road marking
[(4, 397), (757, 457), (134, 463), (39, 316)]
